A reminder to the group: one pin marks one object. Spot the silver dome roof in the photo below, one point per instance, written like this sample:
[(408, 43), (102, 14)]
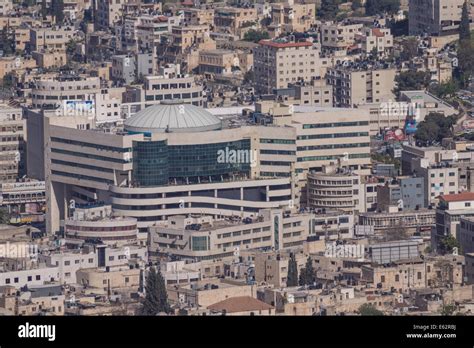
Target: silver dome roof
[(172, 117)]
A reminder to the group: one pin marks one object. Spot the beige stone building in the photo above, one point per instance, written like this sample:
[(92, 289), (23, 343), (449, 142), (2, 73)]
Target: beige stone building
[(292, 17), (436, 17), (12, 143), (355, 85), (339, 37), (103, 280), (197, 16), (231, 19), (49, 39), (279, 63)]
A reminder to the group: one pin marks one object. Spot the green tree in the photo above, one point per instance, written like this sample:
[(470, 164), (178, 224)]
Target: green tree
[(448, 243), (7, 43), (412, 81), (44, 9), (409, 49), (256, 35), (375, 7), (7, 81), (292, 278), (57, 7), (4, 216), (156, 298), (356, 4), (435, 127), (399, 28), (446, 89), (465, 52), (448, 309), (464, 30), (308, 275), (369, 309), (328, 9)]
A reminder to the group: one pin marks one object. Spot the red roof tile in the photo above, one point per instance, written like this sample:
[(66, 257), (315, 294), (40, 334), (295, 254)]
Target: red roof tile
[(458, 197)]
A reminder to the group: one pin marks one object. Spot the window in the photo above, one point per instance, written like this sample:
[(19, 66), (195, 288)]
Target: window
[(382, 279), (38, 277)]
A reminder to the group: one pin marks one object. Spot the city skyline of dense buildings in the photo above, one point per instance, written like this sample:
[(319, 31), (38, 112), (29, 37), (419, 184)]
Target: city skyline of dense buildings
[(265, 158)]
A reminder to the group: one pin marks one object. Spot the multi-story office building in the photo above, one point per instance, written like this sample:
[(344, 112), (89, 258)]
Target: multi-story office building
[(178, 87), (96, 222), (12, 143), (412, 220), (51, 92), (335, 190), (158, 166), (356, 84), (436, 17), (206, 238), (279, 63), (439, 180)]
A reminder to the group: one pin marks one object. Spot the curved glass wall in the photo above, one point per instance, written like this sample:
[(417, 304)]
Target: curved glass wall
[(156, 163)]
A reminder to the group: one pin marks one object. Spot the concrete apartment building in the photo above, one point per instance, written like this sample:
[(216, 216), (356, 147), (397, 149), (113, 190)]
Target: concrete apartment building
[(108, 13), (197, 16), (379, 40), (450, 210), (436, 17), (439, 180), (279, 63), (407, 193), (231, 19), (315, 93), (218, 62), (52, 91), (338, 37), (169, 84), (290, 17), (356, 84), (49, 39), (183, 44), (12, 143), (129, 68)]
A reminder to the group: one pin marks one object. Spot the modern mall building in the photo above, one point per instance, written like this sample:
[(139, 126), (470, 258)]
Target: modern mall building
[(174, 159)]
